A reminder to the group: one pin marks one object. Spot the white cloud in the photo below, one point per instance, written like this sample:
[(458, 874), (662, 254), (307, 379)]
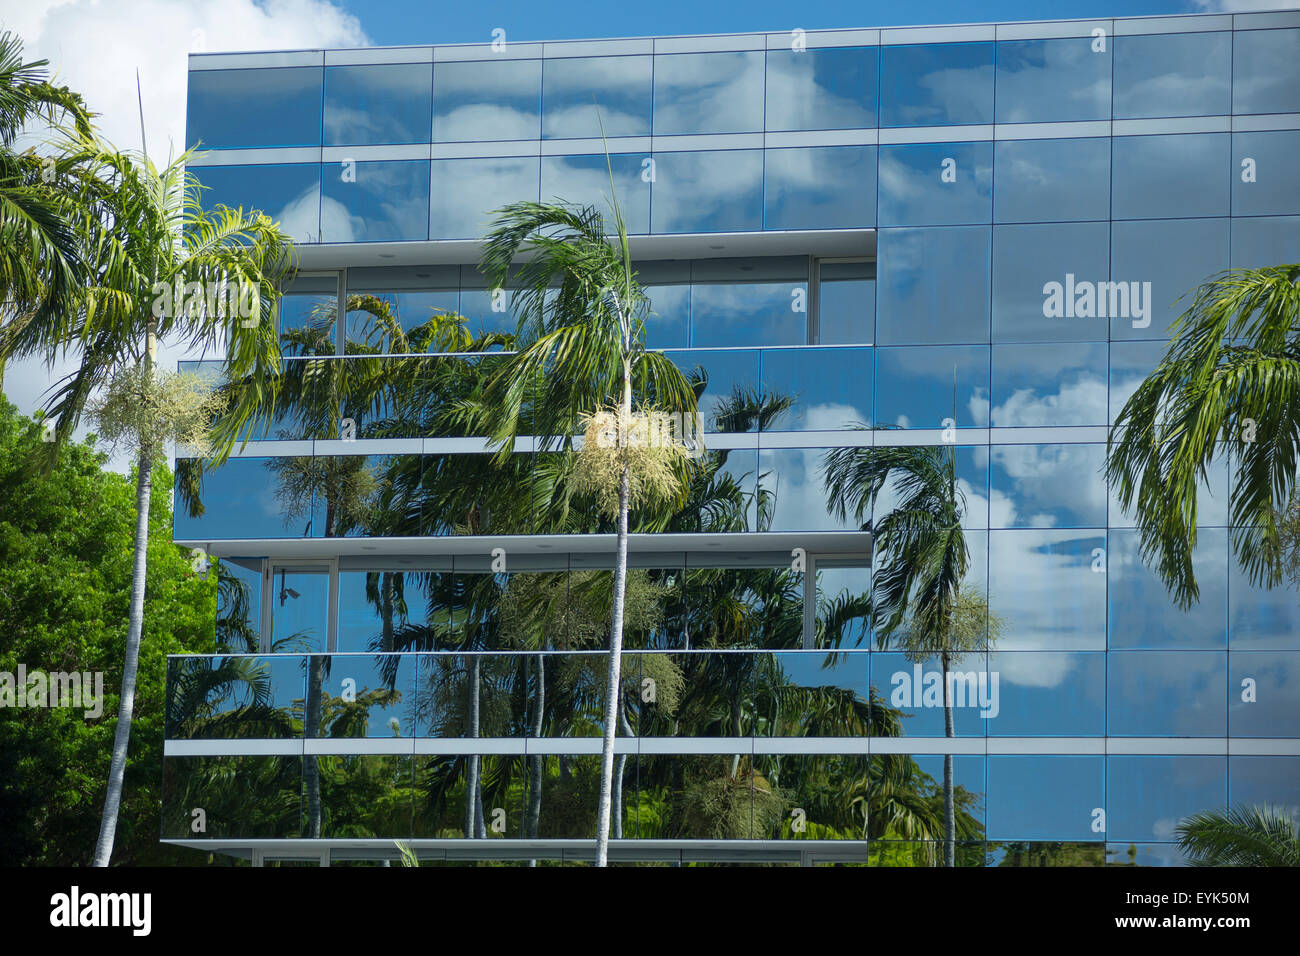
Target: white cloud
[(1240, 6)]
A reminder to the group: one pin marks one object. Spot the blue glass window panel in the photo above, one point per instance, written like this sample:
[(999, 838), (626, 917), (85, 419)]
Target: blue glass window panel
[(727, 371), (708, 93), (1260, 618), (378, 104), (793, 482), (736, 468), (582, 94), (481, 308), (821, 187), (412, 310), (482, 101), (708, 192), (831, 388), (1044, 798), (384, 685), (466, 191), (833, 88), (1043, 587), (1264, 78), (239, 607), (667, 323), (915, 189), (1274, 710), (240, 501), (837, 584), (1276, 189), (281, 677), (1176, 74), (1036, 385), (912, 307), (1143, 615), (747, 313), (941, 84), (1047, 486), (1048, 81), (1052, 180), (585, 181), (249, 108), (802, 669), (973, 486), (846, 303), (1266, 781), (1048, 694), (289, 194), (348, 521), (1167, 693), (1211, 501), (300, 311), (1265, 242), (894, 678), (1027, 260), (915, 386), (299, 609), (1130, 363), (1182, 176), (386, 202), (1175, 257), (1147, 797)]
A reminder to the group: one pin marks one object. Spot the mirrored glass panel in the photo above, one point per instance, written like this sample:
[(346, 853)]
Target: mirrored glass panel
[(585, 181), (1052, 180), (832, 88), (1263, 76), (392, 610), (378, 103), (300, 610), (1173, 74), (1257, 242), (846, 303), (920, 387), (708, 93), (1141, 612), (465, 191), (1261, 618), (1050, 283), (972, 480), (747, 302), (364, 695), (1170, 177), (1262, 697), (826, 388), (217, 698), (824, 187), (916, 691), (267, 803), (792, 489), (1147, 797), (1044, 798), (243, 499), (900, 780), (289, 194), (936, 185), (374, 202), (1167, 694), (1266, 780), (1049, 589), (1035, 385), (668, 319), (731, 398), (911, 308), (1267, 182), (239, 605), (487, 100), (582, 95), (940, 84), (1047, 486), (249, 108), (1047, 694), (708, 192), (1174, 258), (843, 618), (1048, 81), (1130, 363)]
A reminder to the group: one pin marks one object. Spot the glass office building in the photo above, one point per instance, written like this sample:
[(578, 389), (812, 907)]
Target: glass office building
[(969, 240)]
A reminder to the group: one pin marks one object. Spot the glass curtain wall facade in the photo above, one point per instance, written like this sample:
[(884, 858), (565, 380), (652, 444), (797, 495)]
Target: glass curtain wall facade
[(966, 241)]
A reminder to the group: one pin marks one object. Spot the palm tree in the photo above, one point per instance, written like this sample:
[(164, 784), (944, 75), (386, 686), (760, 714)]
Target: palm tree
[(1240, 836), (1230, 377), (582, 337), (919, 598), (144, 233)]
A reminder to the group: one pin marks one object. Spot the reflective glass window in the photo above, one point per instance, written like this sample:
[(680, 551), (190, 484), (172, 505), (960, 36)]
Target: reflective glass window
[(582, 94), (411, 309), (1260, 618), (1170, 177), (301, 311), (465, 191), (266, 804), (749, 302), (708, 192), (239, 605), (1173, 74), (822, 187), (487, 100), (1130, 363), (1141, 612), (1044, 798), (935, 185), (243, 499), (829, 388), (300, 611), (916, 691), (1052, 180), (911, 307), (920, 387), (1167, 693), (940, 84), (1147, 797), (1048, 81), (1174, 257), (793, 484), (732, 386), (1050, 283), (387, 610), (846, 303), (1035, 385), (375, 202), (733, 478), (832, 88), (289, 194), (1262, 694), (378, 103), (668, 287), (842, 582), (708, 93), (1047, 486), (585, 181), (1049, 589), (380, 689), (1261, 242), (215, 697), (1266, 780), (1047, 694), (1264, 79), (972, 474), (1268, 160), (250, 108), (1211, 501)]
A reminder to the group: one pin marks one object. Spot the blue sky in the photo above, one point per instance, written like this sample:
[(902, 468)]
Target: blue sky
[(394, 22)]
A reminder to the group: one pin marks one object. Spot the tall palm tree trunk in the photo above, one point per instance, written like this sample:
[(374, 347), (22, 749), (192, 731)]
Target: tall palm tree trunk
[(536, 761), (134, 631), (949, 814), (311, 729), (613, 683), (619, 767), (472, 765)]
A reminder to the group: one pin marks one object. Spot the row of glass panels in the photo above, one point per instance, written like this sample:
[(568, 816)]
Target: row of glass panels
[(1185, 176), (1015, 81), (1139, 693)]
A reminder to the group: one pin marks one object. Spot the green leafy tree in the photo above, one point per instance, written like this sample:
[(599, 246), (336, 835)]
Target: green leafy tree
[(1241, 836)]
